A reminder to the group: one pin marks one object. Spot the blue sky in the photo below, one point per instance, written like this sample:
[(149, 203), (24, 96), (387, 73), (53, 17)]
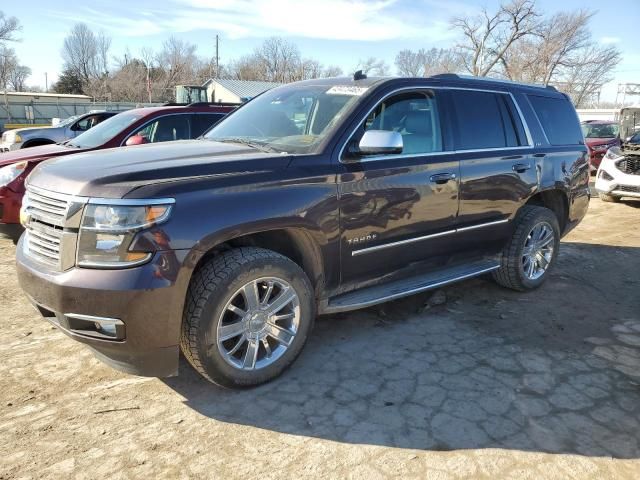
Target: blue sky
[(336, 32)]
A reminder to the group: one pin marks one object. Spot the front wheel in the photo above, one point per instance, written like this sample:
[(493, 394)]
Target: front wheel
[(531, 251), (249, 312)]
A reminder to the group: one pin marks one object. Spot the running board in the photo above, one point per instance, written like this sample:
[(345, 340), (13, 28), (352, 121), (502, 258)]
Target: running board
[(368, 296)]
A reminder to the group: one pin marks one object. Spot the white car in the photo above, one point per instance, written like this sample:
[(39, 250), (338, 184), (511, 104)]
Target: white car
[(619, 173)]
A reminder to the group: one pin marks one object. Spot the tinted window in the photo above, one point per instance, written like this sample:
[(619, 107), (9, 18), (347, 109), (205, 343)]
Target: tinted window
[(481, 119), (166, 129), (88, 122), (415, 116), (201, 122), (106, 130), (558, 119)]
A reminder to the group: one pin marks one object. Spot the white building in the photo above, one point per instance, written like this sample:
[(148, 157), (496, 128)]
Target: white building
[(235, 91)]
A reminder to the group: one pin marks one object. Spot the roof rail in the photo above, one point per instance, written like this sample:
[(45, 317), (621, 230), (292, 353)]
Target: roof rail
[(490, 79)]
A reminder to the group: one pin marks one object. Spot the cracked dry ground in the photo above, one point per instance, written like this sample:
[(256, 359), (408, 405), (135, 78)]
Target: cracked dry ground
[(491, 384)]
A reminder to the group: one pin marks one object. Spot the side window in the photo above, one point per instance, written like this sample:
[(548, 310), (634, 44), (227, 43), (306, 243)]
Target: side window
[(484, 120), (558, 119), (414, 115), (166, 129), (201, 122), (86, 123)]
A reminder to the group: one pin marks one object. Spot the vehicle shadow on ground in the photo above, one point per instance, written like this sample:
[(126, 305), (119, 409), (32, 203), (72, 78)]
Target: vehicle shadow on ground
[(490, 368), (11, 232)]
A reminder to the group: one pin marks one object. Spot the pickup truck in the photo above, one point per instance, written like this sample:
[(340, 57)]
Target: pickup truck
[(66, 129), (316, 197)]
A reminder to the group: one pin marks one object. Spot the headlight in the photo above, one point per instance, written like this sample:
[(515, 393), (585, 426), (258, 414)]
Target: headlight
[(614, 153), (9, 173), (11, 137), (600, 148), (107, 231), (16, 138)]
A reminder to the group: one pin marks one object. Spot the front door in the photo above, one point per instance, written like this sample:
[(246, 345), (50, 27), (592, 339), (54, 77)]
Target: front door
[(397, 211)]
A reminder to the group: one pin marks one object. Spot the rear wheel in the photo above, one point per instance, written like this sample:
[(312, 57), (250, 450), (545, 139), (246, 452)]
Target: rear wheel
[(605, 197), (249, 312), (531, 251)]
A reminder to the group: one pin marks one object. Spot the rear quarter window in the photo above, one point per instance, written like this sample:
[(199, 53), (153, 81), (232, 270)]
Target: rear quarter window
[(559, 120)]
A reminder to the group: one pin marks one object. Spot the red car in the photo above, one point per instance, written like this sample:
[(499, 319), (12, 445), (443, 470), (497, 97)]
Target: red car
[(600, 136), (133, 127)]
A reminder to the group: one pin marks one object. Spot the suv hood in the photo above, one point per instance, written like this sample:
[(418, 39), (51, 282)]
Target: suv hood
[(35, 153), (114, 172), (600, 141)]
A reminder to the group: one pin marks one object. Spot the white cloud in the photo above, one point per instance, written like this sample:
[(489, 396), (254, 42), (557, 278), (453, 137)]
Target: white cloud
[(372, 20), (610, 40)]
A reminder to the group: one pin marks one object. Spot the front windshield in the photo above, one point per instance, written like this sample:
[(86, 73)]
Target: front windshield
[(67, 121), (599, 130), (105, 131), (288, 119)]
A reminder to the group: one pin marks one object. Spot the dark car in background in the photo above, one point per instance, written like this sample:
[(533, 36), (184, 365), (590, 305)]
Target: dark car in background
[(68, 128), (133, 127), (599, 136)]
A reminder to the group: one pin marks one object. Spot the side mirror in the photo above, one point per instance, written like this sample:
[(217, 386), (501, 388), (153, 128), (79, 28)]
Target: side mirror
[(136, 140), (379, 142)]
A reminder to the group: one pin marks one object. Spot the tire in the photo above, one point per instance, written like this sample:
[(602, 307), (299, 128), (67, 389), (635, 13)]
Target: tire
[(218, 290), (605, 197), (511, 273)]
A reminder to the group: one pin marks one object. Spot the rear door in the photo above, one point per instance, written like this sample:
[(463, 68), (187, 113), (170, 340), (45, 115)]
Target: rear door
[(497, 168), (397, 211)]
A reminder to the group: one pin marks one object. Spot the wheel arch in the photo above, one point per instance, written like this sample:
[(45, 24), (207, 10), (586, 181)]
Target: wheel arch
[(37, 142), (555, 200), (295, 243)]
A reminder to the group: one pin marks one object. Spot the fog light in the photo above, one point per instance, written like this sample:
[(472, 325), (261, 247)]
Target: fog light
[(99, 327)]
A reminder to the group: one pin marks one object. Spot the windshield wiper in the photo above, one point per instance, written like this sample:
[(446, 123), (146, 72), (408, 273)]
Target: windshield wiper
[(249, 143)]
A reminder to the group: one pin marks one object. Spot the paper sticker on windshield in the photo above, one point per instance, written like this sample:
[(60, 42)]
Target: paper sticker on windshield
[(346, 90)]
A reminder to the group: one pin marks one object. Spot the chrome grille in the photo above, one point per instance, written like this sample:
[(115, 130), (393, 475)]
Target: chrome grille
[(47, 207), (45, 216), (43, 244)]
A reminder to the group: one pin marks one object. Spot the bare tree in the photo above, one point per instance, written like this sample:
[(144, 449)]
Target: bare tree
[(424, 63), (279, 60), (8, 63), (87, 55), (373, 66), (332, 71), (563, 54), (18, 77), (9, 26), (488, 37)]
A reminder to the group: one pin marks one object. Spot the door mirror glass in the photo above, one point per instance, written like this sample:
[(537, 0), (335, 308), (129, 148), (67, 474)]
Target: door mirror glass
[(380, 142), (136, 140)]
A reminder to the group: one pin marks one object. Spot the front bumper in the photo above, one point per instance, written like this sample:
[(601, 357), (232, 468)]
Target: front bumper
[(145, 301), (612, 181), (10, 147)]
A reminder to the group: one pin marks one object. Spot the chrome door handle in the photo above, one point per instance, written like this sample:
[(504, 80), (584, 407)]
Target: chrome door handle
[(441, 178), (521, 167)]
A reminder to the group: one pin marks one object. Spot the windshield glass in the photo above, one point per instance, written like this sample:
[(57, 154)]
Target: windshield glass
[(67, 121), (600, 130), (290, 119), (105, 131)]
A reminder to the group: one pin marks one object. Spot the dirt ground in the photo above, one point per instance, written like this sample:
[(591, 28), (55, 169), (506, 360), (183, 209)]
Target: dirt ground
[(489, 384)]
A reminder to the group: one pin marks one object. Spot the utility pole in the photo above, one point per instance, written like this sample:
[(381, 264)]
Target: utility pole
[(46, 83), (217, 57)]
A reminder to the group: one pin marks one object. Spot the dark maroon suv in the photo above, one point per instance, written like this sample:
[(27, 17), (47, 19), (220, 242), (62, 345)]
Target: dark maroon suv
[(133, 127)]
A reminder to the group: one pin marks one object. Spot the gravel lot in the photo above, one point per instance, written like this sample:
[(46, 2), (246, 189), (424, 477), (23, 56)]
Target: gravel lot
[(488, 384)]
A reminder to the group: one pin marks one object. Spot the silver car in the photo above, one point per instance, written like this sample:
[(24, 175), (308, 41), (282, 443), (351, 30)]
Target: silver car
[(65, 130)]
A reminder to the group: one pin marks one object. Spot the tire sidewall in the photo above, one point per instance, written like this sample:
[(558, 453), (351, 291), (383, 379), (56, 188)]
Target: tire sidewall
[(543, 217), (211, 358)]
